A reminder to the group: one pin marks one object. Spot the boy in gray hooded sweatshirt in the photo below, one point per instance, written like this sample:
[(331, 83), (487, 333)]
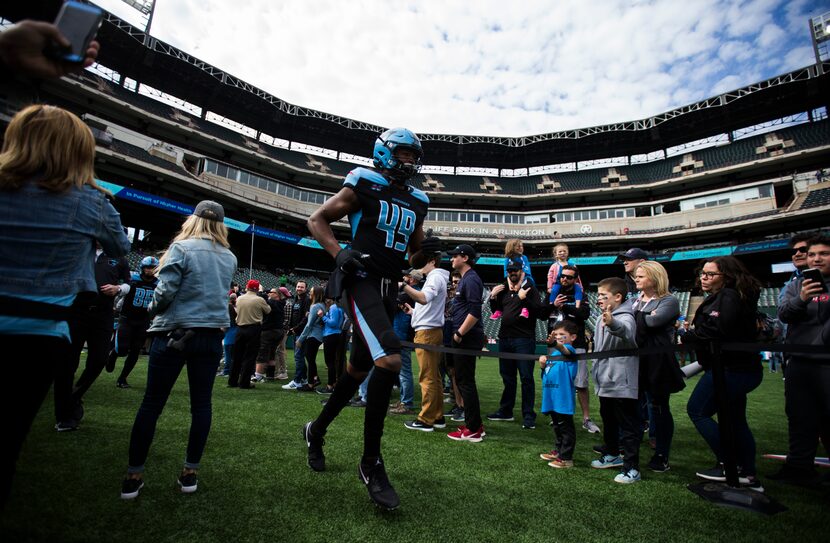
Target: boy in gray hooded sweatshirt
[(616, 383)]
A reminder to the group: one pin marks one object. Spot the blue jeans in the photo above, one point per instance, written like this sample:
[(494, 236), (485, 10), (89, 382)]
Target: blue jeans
[(507, 370), (228, 359), (407, 386), (300, 375), (702, 407), (201, 354)]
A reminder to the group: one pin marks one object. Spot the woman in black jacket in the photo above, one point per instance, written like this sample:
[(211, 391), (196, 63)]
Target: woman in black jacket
[(727, 314)]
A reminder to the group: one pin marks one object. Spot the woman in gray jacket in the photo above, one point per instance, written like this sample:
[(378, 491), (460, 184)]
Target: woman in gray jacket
[(190, 310), (656, 311)]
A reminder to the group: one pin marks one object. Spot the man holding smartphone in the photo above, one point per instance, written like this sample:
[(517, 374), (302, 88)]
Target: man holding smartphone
[(805, 308)]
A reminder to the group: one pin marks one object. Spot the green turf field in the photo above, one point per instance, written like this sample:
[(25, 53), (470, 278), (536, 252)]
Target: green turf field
[(255, 486)]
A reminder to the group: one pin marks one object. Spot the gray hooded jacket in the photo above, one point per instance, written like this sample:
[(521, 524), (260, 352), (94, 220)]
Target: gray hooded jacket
[(617, 377)]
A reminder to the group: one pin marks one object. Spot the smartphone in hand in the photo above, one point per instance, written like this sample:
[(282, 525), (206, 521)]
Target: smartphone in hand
[(79, 23), (815, 275)]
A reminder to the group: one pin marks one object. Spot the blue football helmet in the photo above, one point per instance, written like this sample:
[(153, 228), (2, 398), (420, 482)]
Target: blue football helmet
[(149, 262), (384, 153)]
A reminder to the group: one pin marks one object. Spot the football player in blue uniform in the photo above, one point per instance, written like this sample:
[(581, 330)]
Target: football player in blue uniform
[(386, 216), (131, 333)]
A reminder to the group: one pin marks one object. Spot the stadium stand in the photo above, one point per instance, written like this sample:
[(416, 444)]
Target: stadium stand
[(137, 153), (816, 198), (741, 218)]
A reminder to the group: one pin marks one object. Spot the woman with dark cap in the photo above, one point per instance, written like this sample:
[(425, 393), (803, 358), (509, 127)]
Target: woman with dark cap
[(190, 310)]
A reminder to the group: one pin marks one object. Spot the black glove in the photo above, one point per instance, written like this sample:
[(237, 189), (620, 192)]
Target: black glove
[(350, 262)]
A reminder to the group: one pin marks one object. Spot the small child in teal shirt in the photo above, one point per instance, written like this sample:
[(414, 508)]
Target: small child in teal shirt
[(558, 392)]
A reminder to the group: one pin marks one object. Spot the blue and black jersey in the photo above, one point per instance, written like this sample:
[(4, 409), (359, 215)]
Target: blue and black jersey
[(387, 217), (134, 308)]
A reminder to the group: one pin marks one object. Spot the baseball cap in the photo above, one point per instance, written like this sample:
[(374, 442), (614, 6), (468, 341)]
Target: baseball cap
[(253, 284), (514, 266), (208, 209), (464, 249), (285, 292), (634, 254)]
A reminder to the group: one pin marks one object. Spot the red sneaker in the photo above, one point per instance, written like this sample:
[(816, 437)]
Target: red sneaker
[(465, 434)]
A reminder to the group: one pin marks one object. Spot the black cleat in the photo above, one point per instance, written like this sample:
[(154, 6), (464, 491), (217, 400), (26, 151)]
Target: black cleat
[(377, 483), (316, 458)]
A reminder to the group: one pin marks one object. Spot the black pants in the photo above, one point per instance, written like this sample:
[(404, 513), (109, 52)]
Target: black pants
[(245, 349), (312, 346), (465, 378), (330, 351), (563, 428), (621, 428), (340, 359), (21, 395), (807, 403), (128, 340), (93, 328)]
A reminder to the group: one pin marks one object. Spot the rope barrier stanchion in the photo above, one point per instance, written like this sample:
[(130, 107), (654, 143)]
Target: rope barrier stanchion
[(730, 493)]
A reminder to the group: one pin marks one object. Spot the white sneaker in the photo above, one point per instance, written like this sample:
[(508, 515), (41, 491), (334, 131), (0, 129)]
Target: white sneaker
[(257, 378), (589, 425), (292, 385)]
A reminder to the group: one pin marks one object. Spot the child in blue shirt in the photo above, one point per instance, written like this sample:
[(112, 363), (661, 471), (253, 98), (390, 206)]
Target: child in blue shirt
[(558, 392), (514, 258)]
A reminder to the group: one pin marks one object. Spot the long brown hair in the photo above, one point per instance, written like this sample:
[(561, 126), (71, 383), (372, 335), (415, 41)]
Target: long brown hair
[(51, 145), (318, 295), (737, 276)]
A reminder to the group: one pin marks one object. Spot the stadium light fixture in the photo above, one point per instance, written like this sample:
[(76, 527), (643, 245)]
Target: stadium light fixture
[(820, 35)]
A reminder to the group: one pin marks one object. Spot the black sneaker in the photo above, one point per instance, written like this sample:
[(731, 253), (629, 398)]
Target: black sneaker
[(499, 416), (357, 403), (122, 384), (658, 463), (601, 450), (66, 426), (440, 423), (456, 415), (187, 482), (316, 458), (130, 488), (751, 482), (324, 391), (377, 483), (715, 473), (418, 425)]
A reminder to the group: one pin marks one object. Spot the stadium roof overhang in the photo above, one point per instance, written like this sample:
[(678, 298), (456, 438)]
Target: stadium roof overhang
[(133, 54)]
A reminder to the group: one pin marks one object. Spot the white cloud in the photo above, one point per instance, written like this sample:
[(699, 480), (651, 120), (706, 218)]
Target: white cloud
[(490, 67)]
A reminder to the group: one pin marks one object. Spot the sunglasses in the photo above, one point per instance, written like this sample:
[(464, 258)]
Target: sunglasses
[(568, 277), (797, 250)]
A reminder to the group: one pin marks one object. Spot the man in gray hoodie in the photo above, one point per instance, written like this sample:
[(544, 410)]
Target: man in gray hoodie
[(616, 383), (805, 308)]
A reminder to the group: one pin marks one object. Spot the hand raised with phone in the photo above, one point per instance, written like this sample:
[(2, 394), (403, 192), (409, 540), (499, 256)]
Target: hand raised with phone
[(23, 50)]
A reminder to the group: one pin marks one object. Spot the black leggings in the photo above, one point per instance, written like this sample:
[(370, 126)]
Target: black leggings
[(311, 347), (330, 351), (21, 395)]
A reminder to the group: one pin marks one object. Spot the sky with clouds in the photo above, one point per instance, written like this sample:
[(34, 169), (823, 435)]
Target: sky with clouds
[(491, 67)]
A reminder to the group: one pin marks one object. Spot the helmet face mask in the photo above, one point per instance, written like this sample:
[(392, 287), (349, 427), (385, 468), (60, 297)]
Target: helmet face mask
[(385, 155)]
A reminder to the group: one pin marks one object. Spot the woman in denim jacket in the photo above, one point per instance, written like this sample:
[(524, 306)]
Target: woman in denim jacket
[(190, 310), (51, 215)]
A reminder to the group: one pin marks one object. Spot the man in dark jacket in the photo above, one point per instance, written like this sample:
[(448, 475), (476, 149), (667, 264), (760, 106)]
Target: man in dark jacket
[(564, 307), (270, 337), (299, 317), (805, 308), (517, 335)]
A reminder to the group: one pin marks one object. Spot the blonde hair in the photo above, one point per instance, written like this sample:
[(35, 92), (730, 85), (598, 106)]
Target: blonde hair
[(553, 251), (51, 144), (657, 275), (510, 247), (198, 227)]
